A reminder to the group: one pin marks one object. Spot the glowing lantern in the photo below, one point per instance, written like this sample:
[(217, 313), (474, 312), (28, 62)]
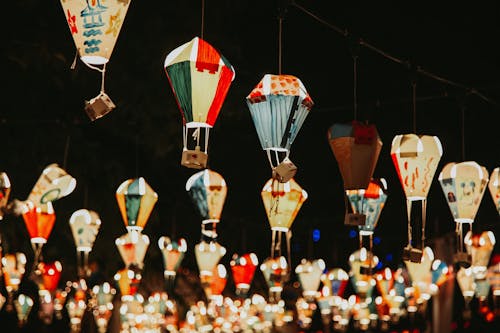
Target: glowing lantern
[(132, 247), (173, 253), (480, 246), (309, 274), (334, 282), (494, 187), (217, 282), (39, 221), (84, 226), (416, 158), (207, 256), (128, 281), (76, 309), (2, 301), (46, 306), (53, 184), (465, 280), (50, 274), (200, 78), (23, 305), (385, 282), (59, 300), (243, 269), (282, 203), (305, 312), (463, 185), (136, 200), (13, 267), (275, 271), (102, 296), (279, 105), (368, 202), (4, 192), (439, 273), (208, 191), (362, 262), (420, 274), (94, 26)]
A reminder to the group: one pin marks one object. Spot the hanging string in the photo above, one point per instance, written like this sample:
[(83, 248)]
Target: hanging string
[(420, 70), (202, 17)]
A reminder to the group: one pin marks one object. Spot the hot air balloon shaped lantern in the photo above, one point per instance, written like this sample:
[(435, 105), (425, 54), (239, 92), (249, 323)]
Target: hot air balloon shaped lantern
[(463, 185), (102, 302), (416, 158), (128, 281), (95, 26), (173, 252), (493, 277), (465, 279), (48, 276), (218, 281), (479, 247), (362, 263), (200, 78), (136, 200), (309, 274), (356, 147), (275, 271), (282, 202), (23, 305), (207, 256), (133, 247), (279, 105), (243, 270), (39, 221), (54, 183), (208, 191), (4, 193), (84, 226), (13, 268), (368, 202), (494, 187)]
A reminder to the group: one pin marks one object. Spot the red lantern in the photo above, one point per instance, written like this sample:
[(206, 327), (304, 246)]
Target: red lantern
[(39, 221), (50, 274), (243, 269)]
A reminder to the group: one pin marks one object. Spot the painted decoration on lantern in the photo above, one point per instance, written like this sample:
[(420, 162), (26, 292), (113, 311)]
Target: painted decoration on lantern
[(463, 185), (208, 191), (335, 280), (50, 274), (369, 202), (133, 247), (53, 184), (494, 187), (282, 202), (356, 148), (4, 192), (173, 253), (309, 274), (480, 246), (207, 256), (279, 105), (416, 159), (200, 78), (84, 226), (136, 200), (39, 221), (95, 26)]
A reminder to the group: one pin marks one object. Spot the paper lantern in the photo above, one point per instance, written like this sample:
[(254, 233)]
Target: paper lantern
[(369, 202), (23, 305), (84, 226), (494, 186), (102, 297), (463, 185), (173, 252), (356, 148), (335, 282), (275, 271), (480, 247), (279, 105), (218, 281), (207, 256), (421, 271), (4, 192), (13, 268), (385, 282), (243, 270), (200, 78), (50, 273), (39, 221), (128, 281), (136, 200), (76, 309), (362, 263), (53, 184), (416, 158), (493, 277), (439, 272), (208, 191), (309, 274), (465, 280), (132, 247)]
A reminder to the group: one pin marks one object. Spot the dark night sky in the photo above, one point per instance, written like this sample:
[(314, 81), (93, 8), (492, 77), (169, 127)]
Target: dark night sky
[(44, 98)]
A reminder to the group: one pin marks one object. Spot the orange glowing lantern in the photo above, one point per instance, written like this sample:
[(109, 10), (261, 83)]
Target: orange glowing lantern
[(39, 221), (50, 274), (416, 158), (13, 267), (217, 282), (128, 281), (243, 269), (275, 271), (480, 247)]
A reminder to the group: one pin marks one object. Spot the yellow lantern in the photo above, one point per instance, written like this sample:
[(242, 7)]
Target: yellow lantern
[(416, 158), (84, 225), (94, 26), (495, 187), (465, 279), (420, 274), (362, 262), (207, 256), (136, 200), (13, 268), (132, 247), (275, 271), (479, 247), (309, 273), (282, 202)]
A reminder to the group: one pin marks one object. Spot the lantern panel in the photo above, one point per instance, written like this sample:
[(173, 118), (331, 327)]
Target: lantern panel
[(421, 271), (13, 267), (208, 191), (335, 280), (275, 271), (136, 200)]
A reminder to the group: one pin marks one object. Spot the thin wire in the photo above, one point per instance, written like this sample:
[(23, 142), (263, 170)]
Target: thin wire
[(280, 42), (202, 17), (420, 70)]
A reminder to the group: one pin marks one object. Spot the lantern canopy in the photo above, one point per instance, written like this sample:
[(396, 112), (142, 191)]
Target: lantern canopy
[(463, 185), (309, 273), (480, 247), (136, 200), (243, 270), (39, 221), (208, 191), (279, 105), (84, 226), (173, 253), (356, 148), (132, 247), (494, 187), (200, 78), (53, 184), (4, 192)]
